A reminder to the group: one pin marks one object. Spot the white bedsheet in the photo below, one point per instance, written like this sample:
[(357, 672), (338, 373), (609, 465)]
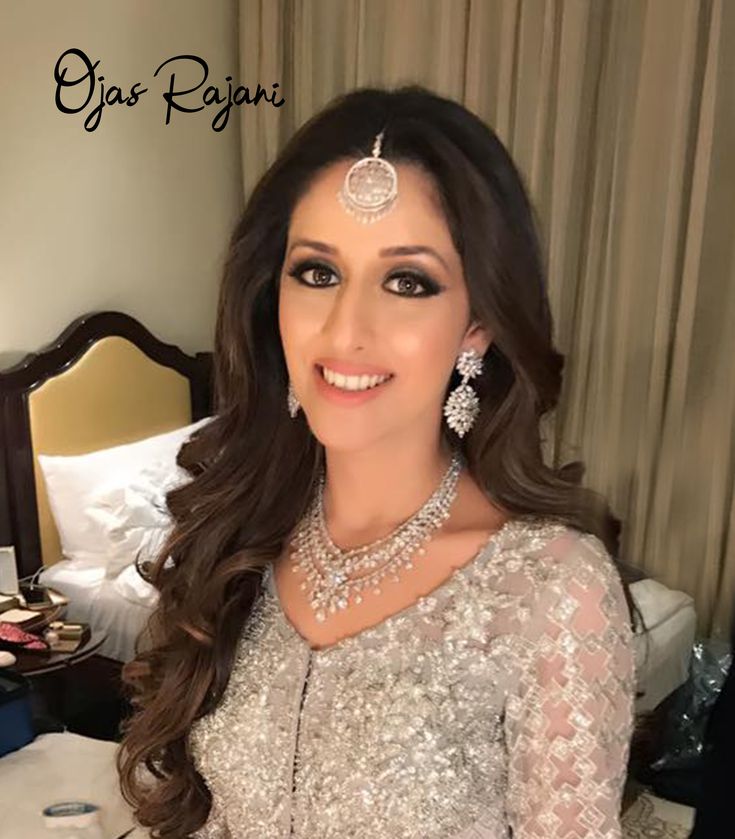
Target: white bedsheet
[(102, 604), (58, 767)]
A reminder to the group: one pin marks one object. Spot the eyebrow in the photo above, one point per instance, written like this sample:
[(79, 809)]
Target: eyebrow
[(397, 250)]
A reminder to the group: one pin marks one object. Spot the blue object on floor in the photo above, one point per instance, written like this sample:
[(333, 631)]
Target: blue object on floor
[(16, 723)]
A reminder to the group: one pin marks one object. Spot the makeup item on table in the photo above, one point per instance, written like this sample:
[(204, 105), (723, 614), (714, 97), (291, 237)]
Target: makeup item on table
[(66, 637), (13, 638), (51, 634), (7, 659), (18, 616), (8, 601), (70, 631)]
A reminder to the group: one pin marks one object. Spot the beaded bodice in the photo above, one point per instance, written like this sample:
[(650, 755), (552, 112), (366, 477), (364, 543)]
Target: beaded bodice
[(502, 701)]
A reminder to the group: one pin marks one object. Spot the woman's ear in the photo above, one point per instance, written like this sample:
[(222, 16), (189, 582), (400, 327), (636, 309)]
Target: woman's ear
[(478, 337)]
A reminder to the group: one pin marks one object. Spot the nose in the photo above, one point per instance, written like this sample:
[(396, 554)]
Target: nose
[(350, 320)]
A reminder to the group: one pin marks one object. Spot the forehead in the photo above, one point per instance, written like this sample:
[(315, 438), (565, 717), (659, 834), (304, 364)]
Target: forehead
[(416, 218)]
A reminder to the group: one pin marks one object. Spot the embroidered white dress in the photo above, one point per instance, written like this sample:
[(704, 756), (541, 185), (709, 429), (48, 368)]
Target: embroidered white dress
[(499, 705)]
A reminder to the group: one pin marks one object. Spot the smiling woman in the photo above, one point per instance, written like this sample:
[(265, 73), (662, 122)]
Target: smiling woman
[(385, 614), (379, 296)]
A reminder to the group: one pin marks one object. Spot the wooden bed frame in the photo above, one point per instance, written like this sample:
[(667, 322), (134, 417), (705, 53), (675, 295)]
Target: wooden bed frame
[(105, 381)]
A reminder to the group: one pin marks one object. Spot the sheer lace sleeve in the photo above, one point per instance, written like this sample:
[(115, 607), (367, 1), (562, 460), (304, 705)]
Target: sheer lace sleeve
[(568, 725)]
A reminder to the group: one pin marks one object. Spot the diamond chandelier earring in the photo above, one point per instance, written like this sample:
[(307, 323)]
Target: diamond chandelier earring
[(462, 405), (292, 400)]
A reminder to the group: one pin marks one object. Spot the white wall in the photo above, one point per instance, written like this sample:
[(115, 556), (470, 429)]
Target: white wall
[(134, 216)]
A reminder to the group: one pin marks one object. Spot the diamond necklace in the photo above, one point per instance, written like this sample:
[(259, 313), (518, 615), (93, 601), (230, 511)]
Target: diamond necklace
[(329, 580)]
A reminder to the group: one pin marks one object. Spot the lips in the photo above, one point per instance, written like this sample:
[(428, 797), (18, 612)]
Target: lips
[(322, 372), (342, 396), (351, 368)]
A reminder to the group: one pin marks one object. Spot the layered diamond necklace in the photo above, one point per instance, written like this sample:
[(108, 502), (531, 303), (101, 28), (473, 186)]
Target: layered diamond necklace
[(329, 569)]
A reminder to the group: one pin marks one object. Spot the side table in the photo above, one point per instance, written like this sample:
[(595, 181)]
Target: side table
[(49, 674), (33, 663)]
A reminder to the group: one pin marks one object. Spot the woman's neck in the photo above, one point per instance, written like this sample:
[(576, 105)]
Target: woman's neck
[(368, 494)]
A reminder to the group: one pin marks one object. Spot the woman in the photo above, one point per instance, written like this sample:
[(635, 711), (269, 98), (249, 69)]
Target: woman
[(384, 616)]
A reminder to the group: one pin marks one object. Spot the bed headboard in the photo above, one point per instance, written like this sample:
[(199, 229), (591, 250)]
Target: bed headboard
[(105, 381)]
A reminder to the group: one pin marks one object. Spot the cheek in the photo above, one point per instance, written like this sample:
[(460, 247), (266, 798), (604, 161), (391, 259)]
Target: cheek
[(295, 322), (423, 354)]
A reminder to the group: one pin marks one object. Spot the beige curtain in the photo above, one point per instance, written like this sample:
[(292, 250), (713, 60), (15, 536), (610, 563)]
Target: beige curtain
[(621, 115)]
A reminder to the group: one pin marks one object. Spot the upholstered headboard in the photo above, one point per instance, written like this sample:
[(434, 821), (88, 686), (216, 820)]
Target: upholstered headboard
[(105, 381)]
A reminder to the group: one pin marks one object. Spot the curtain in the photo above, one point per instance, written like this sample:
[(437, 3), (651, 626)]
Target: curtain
[(620, 114)]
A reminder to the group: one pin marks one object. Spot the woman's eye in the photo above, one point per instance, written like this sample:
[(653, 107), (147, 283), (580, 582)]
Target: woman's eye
[(319, 273), (406, 285)]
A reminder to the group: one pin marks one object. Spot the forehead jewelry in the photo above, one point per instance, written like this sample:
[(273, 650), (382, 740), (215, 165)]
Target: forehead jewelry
[(370, 188)]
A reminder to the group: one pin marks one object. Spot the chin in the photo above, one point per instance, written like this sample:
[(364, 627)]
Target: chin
[(348, 434), (345, 442)]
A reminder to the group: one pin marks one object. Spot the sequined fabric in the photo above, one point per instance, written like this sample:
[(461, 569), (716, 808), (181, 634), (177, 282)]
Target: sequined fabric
[(502, 701)]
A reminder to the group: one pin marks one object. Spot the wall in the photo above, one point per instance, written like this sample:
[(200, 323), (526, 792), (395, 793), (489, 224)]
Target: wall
[(134, 215)]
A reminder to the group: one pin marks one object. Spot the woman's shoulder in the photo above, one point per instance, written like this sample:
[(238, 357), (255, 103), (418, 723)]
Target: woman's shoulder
[(554, 549), (570, 576)]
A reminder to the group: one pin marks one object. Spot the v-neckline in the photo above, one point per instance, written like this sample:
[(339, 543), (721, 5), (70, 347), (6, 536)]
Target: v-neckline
[(492, 543)]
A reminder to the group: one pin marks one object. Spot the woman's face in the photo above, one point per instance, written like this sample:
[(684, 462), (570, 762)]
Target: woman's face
[(350, 301)]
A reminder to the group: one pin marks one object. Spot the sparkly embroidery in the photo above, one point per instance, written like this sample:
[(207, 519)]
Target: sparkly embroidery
[(503, 701)]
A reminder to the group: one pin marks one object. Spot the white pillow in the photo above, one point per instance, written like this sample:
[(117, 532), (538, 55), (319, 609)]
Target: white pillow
[(658, 602), (95, 497), (133, 513), (130, 585)]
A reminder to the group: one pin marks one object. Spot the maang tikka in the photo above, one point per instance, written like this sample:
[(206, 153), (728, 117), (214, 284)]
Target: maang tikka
[(370, 187), (462, 405)]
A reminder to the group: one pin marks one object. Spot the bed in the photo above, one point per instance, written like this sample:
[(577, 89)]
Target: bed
[(105, 382)]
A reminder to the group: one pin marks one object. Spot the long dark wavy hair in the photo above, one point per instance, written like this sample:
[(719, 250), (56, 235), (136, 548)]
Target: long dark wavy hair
[(254, 469)]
